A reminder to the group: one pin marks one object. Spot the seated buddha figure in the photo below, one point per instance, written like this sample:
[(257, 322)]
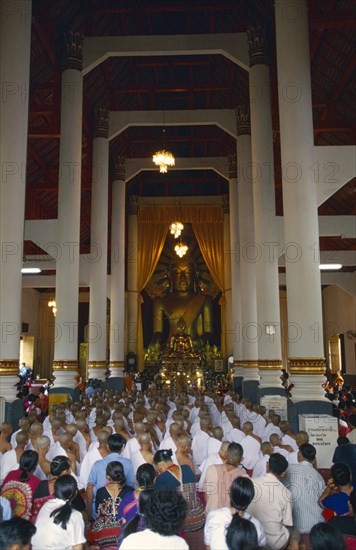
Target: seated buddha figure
[(181, 343), (183, 301)]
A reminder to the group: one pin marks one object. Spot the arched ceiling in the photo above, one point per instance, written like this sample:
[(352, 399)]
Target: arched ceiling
[(179, 82)]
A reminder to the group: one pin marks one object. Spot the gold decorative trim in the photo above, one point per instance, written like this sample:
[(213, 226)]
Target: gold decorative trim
[(116, 364), (270, 364), (306, 365), (97, 364), (9, 367), (250, 364), (238, 363), (65, 365)]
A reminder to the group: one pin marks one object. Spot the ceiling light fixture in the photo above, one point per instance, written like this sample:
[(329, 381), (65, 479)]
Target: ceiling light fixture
[(181, 249), (176, 229), (330, 267), (163, 158)]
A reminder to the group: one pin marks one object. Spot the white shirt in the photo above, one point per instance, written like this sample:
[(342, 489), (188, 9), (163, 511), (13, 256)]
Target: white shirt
[(211, 459), (132, 446), (9, 463), (149, 540), (288, 440), (235, 435), (252, 451), (51, 536), (260, 467), (218, 521), (271, 429), (90, 458), (199, 443)]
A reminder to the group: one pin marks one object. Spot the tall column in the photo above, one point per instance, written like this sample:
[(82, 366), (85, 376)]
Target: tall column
[(266, 245), (133, 295), (249, 327), (306, 353), (117, 279), (15, 41), (65, 362), (97, 363), (229, 334), (235, 274)]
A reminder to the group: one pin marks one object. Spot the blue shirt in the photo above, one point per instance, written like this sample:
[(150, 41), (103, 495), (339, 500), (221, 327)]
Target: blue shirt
[(97, 476)]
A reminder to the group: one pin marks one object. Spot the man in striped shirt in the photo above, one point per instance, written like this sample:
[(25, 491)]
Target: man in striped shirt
[(306, 485)]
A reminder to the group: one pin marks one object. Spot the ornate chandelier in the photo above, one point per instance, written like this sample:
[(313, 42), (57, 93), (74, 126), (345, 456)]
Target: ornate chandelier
[(181, 249), (53, 305), (163, 159), (176, 229)]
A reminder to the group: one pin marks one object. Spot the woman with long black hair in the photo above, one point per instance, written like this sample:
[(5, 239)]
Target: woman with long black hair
[(20, 485), (58, 524), (60, 466)]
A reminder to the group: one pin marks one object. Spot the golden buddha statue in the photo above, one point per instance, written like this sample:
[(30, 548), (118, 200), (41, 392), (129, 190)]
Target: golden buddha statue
[(181, 343), (184, 302)]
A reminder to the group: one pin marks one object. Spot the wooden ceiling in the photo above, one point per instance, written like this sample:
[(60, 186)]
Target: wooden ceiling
[(189, 82)]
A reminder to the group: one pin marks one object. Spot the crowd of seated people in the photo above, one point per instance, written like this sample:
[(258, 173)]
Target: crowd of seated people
[(157, 470)]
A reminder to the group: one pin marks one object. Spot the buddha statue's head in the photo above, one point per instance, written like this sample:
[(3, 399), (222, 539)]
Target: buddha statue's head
[(183, 275)]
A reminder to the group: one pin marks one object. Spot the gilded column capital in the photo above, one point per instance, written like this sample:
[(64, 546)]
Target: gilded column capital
[(73, 50), (65, 365), (119, 168), (101, 122), (270, 364), (306, 365), (97, 364), (257, 45), (232, 166), (9, 367), (132, 205), (116, 364), (248, 364), (243, 126)]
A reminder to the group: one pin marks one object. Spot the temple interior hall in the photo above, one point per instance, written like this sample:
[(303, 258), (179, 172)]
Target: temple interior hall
[(178, 196)]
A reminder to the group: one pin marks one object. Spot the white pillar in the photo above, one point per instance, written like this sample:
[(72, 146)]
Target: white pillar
[(117, 284), (65, 362), (132, 291), (15, 41), (229, 334), (97, 363), (267, 246), (306, 352), (249, 327), (235, 273)]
